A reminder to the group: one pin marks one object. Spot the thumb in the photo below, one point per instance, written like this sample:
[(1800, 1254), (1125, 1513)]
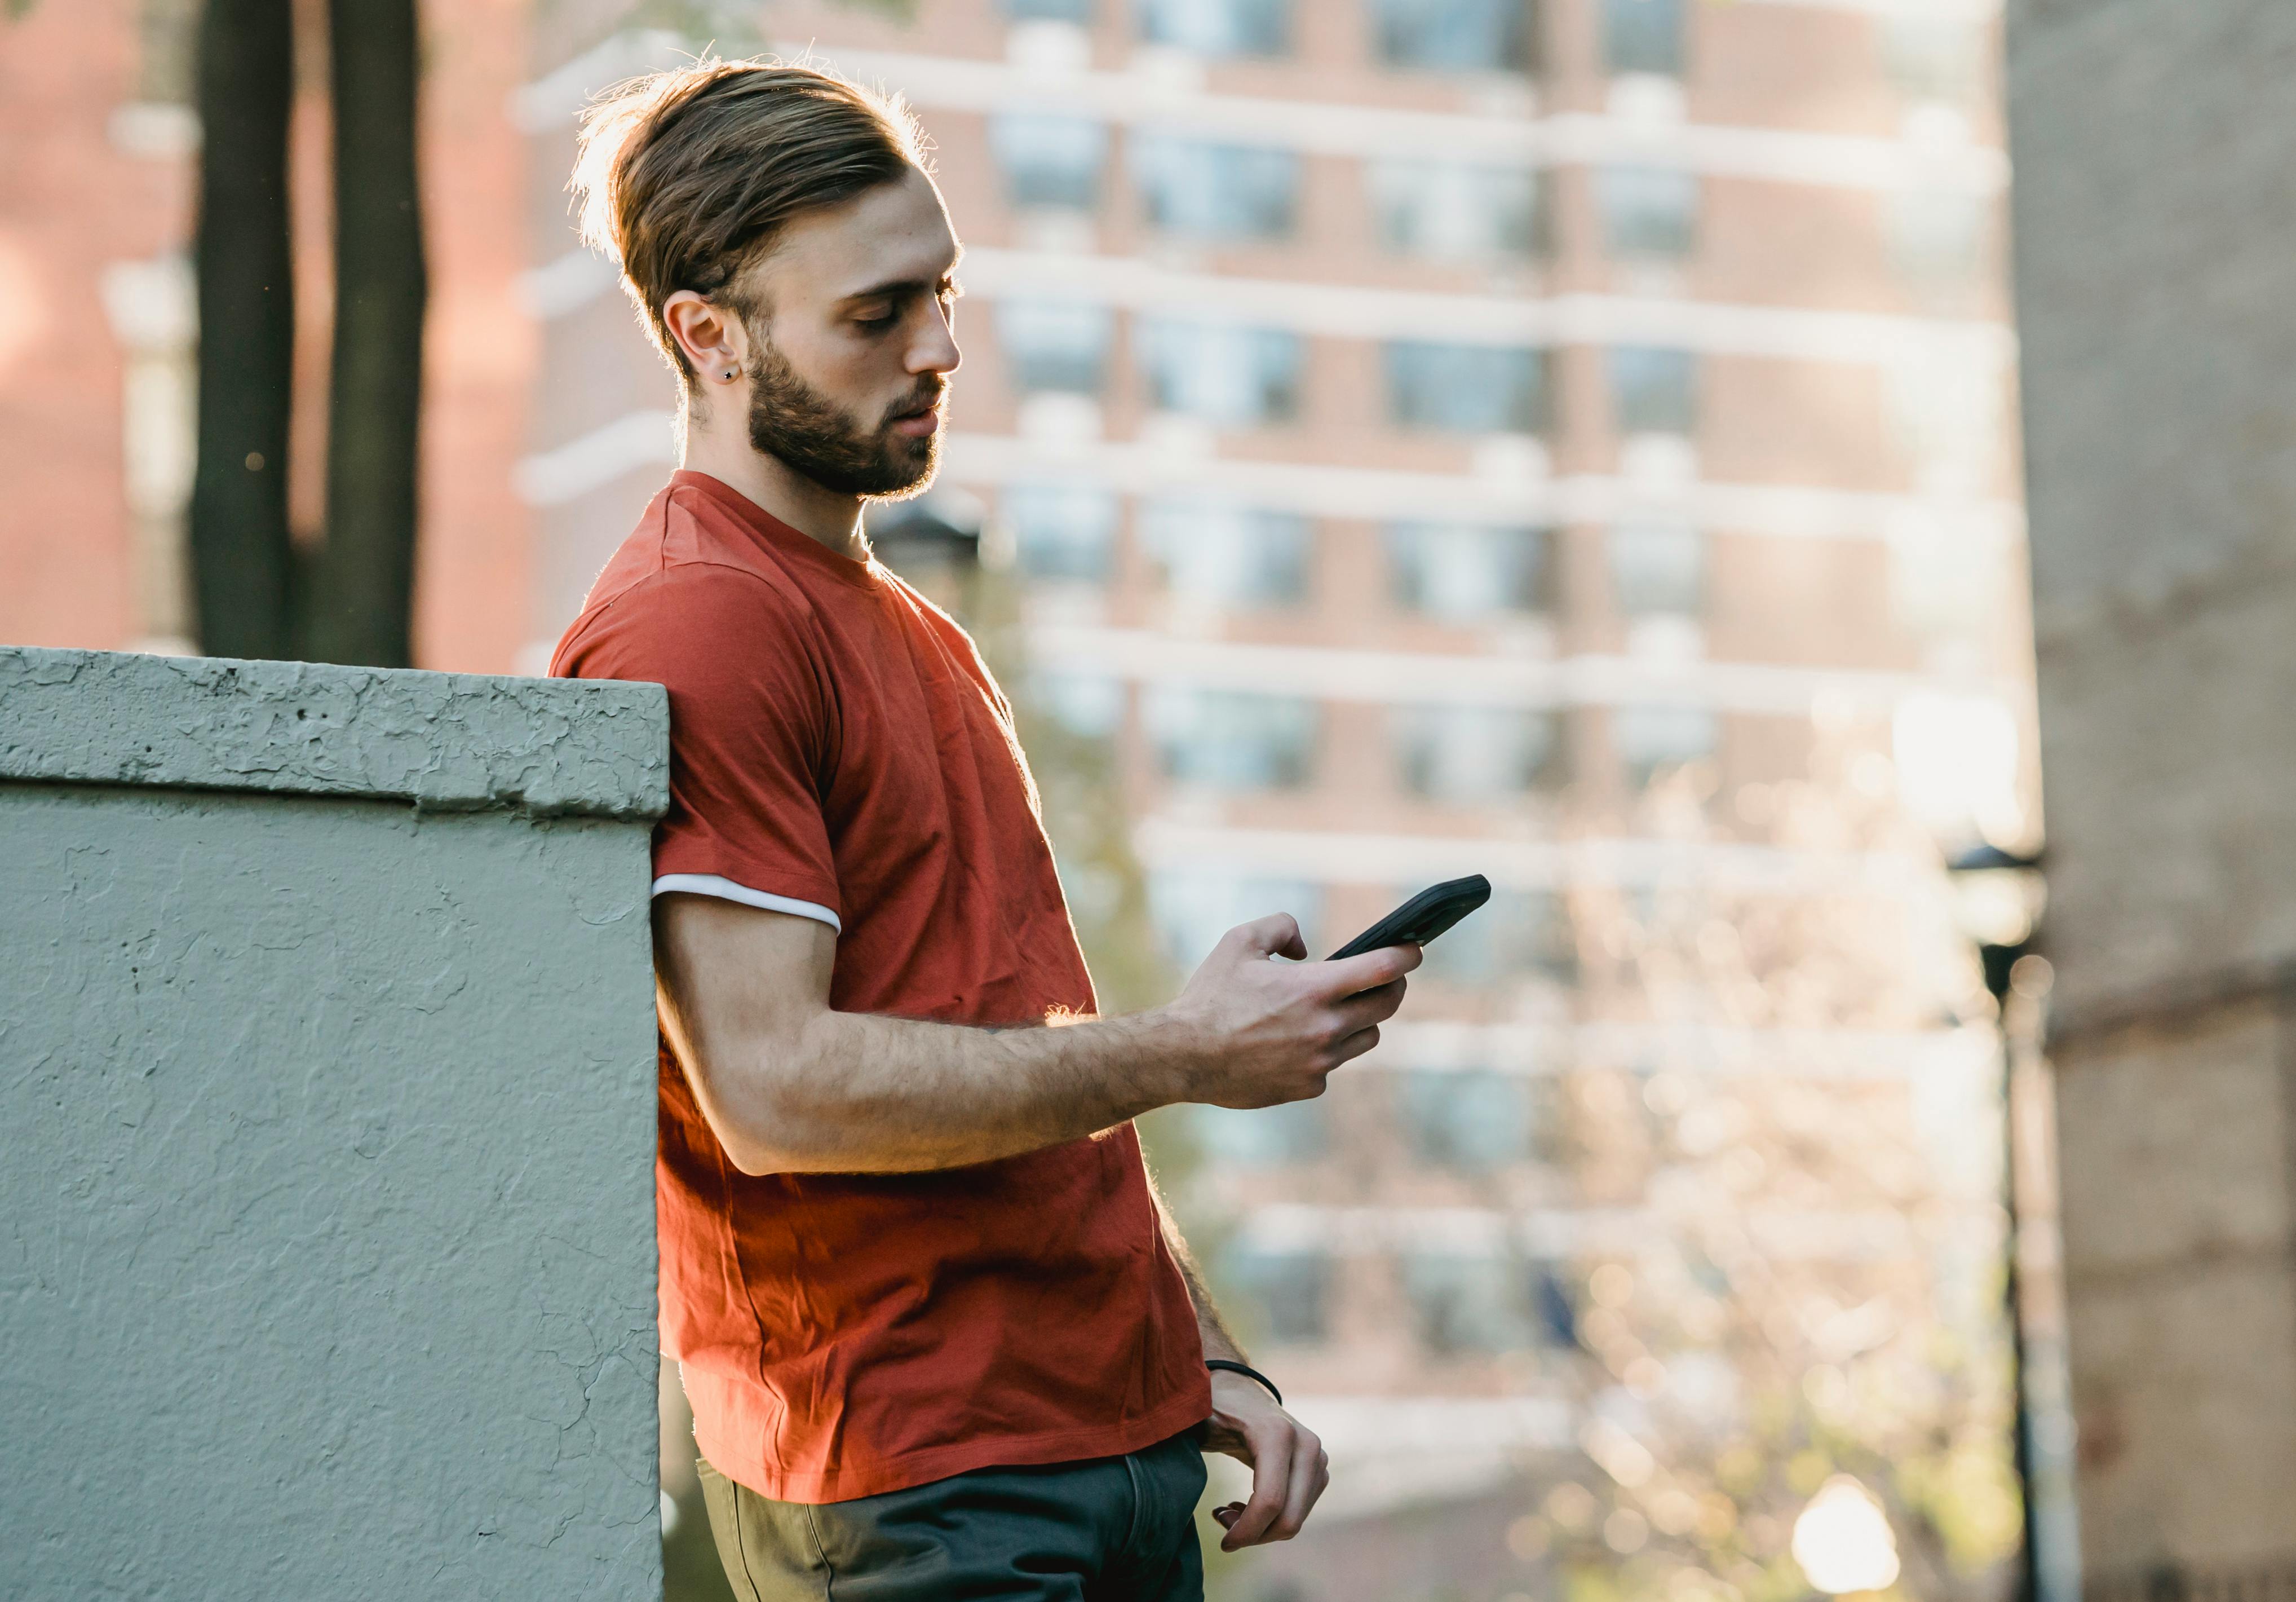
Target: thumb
[(1276, 935)]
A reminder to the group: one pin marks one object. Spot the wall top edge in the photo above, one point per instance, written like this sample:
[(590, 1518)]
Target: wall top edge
[(445, 741)]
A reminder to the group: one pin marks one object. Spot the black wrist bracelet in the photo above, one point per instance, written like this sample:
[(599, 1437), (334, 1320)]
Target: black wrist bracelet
[(1249, 1372)]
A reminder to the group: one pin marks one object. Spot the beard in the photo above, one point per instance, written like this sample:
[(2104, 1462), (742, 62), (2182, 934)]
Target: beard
[(811, 434)]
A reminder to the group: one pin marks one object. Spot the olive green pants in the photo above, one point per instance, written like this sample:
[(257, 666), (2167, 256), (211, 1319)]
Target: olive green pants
[(1109, 1530)]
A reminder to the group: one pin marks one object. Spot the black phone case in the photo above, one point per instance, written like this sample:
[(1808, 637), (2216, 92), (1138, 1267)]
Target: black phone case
[(1422, 918)]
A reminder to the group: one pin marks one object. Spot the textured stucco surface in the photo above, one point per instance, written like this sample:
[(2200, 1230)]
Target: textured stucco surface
[(449, 742), (326, 1221), (2156, 252)]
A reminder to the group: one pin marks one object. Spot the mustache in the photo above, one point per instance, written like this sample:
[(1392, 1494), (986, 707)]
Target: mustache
[(926, 396)]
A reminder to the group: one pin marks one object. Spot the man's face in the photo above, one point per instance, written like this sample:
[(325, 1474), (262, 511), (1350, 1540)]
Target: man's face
[(851, 357)]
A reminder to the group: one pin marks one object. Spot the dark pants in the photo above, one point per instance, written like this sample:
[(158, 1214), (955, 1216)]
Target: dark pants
[(1109, 1530)]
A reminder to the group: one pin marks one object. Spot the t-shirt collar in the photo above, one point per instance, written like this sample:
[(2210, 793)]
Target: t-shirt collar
[(777, 536)]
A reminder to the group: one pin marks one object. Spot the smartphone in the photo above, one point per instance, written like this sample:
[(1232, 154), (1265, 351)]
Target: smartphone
[(1420, 918)]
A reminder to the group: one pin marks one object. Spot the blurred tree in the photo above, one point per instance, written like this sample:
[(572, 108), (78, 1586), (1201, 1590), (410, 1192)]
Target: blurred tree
[(351, 600), (242, 556), (360, 601), (1819, 1296)]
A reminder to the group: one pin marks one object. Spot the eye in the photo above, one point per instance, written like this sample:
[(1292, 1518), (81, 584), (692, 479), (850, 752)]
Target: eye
[(878, 323)]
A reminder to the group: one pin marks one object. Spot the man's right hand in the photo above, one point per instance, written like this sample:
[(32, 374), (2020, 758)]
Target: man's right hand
[(1271, 1032)]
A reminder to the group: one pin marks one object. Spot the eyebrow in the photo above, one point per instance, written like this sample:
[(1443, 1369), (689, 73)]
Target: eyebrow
[(905, 287)]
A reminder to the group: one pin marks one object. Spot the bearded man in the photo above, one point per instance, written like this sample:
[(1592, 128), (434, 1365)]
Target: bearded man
[(939, 1337)]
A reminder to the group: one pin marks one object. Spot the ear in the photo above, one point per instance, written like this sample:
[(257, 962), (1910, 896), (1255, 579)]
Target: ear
[(711, 336)]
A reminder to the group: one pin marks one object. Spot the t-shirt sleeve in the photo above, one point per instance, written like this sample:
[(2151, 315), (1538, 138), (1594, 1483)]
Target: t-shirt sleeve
[(749, 732)]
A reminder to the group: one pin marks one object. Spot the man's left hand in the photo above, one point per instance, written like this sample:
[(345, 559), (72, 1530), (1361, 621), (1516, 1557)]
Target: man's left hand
[(1289, 1468)]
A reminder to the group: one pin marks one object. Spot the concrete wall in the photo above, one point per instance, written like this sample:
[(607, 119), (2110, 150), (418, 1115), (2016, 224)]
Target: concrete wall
[(326, 1217), (2156, 251)]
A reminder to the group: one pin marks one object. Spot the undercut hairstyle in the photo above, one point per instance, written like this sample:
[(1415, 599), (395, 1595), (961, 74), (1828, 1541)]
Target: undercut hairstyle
[(686, 177)]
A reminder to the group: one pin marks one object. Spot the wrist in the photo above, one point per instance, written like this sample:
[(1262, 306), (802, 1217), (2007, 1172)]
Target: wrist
[(1223, 1365), (1179, 1049)]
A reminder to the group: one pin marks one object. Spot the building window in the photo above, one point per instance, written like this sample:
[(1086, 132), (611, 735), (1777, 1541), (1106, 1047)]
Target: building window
[(1654, 392), (1218, 554), (1940, 236), (1218, 26), (1049, 161), (1296, 1132), (1465, 571), (1193, 907), (1200, 189), (1456, 210), (1643, 36), (1232, 739), (1287, 1294), (1654, 741), (1221, 372), (1454, 35), (1471, 389), (1517, 935), (1471, 755), (1649, 213), (1935, 58), (1475, 1122), (1088, 705), (168, 65), (1658, 569), (1050, 10), (1062, 530), (1054, 345), (1471, 1301)]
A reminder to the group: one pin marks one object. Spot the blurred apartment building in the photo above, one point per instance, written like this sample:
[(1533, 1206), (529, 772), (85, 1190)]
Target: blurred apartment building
[(1569, 443)]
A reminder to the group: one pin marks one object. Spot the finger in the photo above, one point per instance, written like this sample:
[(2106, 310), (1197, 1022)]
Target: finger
[(1276, 935), (1354, 1046), (1372, 1007), (1309, 1475), (1271, 1473), (1369, 970)]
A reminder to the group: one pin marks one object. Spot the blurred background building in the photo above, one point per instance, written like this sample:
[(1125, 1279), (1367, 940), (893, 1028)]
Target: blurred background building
[(2156, 236), (1568, 442)]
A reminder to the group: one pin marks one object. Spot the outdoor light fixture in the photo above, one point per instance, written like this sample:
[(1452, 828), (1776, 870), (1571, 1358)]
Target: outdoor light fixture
[(1842, 1540)]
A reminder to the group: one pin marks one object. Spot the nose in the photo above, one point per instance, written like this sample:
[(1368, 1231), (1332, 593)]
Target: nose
[(934, 349)]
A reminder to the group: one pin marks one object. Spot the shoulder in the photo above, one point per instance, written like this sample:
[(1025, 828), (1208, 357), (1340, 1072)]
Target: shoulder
[(687, 619)]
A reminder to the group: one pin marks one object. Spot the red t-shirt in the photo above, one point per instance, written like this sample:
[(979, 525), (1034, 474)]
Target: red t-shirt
[(839, 751)]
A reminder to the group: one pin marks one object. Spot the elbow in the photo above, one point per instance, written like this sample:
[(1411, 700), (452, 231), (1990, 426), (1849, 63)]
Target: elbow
[(754, 1160), (764, 1138), (758, 1117), (763, 1149)]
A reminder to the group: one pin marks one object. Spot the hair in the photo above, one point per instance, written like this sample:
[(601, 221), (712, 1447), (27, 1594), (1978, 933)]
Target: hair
[(686, 177)]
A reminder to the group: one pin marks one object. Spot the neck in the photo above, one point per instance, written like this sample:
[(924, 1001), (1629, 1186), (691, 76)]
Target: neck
[(725, 454)]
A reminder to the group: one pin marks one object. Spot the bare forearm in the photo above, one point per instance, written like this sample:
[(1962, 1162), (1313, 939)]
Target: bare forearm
[(859, 1094), (790, 1085)]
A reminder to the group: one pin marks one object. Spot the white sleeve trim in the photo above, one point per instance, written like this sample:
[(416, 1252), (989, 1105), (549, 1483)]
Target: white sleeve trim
[(710, 884)]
